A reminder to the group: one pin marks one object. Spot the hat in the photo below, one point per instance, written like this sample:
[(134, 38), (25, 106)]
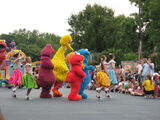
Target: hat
[(28, 64)]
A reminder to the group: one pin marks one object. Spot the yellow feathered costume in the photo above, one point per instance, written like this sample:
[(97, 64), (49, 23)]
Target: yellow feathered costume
[(60, 66)]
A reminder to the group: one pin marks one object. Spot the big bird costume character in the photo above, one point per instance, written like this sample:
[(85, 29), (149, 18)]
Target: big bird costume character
[(46, 77), (75, 76), (60, 66)]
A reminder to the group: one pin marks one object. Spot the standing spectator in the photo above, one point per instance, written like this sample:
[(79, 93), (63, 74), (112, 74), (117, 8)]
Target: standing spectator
[(120, 73), (151, 66), (145, 70), (139, 70)]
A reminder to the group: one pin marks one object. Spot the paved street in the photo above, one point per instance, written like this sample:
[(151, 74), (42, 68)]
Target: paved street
[(119, 107)]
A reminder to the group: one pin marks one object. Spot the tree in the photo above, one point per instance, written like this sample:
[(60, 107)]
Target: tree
[(31, 42), (151, 19), (125, 34), (92, 28)]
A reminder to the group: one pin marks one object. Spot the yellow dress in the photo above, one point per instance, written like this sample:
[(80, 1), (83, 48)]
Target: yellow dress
[(102, 79)]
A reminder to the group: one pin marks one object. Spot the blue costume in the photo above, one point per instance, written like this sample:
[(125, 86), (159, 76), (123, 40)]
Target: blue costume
[(86, 69)]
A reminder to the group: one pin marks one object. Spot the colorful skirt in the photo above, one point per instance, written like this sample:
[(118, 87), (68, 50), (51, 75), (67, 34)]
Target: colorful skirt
[(102, 79), (112, 76), (16, 78), (28, 81)]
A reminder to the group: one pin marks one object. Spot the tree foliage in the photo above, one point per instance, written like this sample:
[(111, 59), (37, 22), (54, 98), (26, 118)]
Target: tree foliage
[(97, 29), (31, 42), (150, 16)]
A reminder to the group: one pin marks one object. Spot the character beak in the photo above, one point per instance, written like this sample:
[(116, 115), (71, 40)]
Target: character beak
[(69, 47)]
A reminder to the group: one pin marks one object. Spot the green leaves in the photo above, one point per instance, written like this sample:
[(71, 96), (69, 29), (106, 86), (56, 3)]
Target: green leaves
[(31, 42), (97, 29)]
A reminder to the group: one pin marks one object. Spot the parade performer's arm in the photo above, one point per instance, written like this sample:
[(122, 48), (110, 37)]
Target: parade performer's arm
[(80, 72), (89, 67)]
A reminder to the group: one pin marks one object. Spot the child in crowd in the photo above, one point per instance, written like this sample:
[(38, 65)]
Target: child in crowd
[(16, 77), (28, 80), (149, 87), (126, 86), (137, 90), (157, 83), (120, 87)]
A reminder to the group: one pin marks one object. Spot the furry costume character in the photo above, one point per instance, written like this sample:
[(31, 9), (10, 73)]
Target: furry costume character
[(3, 47), (46, 77), (60, 66), (86, 69), (75, 77)]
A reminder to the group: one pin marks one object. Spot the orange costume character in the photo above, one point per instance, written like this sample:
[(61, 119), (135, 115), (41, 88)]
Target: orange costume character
[(75, 77)]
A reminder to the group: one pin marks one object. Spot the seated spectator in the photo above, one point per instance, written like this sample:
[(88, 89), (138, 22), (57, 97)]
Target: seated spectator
[(149, 87), (137, 90)]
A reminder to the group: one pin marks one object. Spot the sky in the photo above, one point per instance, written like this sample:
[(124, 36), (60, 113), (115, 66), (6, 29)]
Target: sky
[(50, 15)]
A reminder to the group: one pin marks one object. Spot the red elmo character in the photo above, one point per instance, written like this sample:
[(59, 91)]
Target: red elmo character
[(46, 77), (75, 77)]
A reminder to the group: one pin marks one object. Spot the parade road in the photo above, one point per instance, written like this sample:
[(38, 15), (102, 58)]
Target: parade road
[(119, 107)]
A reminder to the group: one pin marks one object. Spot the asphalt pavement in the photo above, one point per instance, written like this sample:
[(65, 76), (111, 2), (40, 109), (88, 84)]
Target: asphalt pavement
[(119, 107)]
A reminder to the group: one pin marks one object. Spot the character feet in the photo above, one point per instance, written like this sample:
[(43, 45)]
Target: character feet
[(74, 98), (84, 96), (56, 93), (46, 96)]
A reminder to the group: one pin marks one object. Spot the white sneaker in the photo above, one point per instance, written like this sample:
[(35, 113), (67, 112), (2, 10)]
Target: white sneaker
[(28, 98), (108, 96), (14, 89), (99, 98), (14, 95)]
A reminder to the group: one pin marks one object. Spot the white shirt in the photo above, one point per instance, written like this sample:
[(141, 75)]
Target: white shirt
[(139, 67)]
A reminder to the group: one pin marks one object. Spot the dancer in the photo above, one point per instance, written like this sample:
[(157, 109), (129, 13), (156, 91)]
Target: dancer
[(16, 77), (28, 80), (102, 78), (111, 71)]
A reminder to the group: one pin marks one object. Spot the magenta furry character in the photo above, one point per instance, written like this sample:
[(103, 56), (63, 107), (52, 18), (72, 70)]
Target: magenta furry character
[(46, 77)]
